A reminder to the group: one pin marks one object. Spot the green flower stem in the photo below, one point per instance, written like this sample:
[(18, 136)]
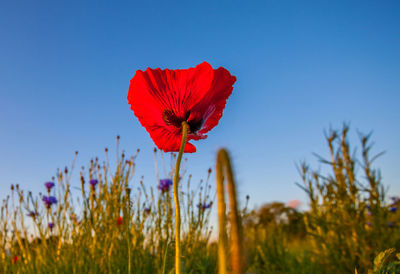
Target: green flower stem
[(176, 200)]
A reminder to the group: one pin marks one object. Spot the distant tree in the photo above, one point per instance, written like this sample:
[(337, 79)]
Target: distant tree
[(276, 215)]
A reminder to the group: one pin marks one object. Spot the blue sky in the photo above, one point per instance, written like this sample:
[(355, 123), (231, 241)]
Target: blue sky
[(301, 67)]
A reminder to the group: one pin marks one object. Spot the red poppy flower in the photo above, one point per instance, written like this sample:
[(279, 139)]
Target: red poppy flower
[(163, 99), (15, 259), (119, 220)]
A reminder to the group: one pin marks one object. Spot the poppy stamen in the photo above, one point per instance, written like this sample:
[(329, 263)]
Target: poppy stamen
[(171, 119), (195, 126)]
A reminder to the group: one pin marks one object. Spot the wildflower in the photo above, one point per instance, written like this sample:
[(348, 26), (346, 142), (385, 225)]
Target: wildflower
[(163, 99), (49, 200), (204, 205), (390, 224), (32, 214), (93, 183), (393, 209), (51, 226), (49, 186), (164, 185), (119, 220), (147, 210), (395, 199), (15, 259)]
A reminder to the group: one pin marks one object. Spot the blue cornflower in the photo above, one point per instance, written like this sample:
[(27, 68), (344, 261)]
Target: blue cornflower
[(49, 185), (51, 225), (393, 209), (93, 183), (164, 185), (49, 200), (204, 205)]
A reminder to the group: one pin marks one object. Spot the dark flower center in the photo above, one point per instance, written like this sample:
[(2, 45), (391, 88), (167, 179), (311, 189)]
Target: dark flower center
[(171, 119)]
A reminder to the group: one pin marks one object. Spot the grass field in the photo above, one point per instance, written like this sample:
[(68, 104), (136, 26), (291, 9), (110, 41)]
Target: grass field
[(117, 225)]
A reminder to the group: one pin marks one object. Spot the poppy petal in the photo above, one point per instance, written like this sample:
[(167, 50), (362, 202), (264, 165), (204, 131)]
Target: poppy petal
[(196, 137), (177, 90), (169, 140), (212, 105)]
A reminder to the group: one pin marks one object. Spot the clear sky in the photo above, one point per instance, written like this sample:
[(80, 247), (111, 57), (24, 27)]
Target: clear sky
[(301, 66)]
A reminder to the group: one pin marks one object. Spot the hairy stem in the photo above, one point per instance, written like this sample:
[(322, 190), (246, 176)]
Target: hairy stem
[(224, 167), (176, 200)]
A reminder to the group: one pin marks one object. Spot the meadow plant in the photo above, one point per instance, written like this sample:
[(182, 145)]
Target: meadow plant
[(234, 249), (349, 221), (115, 225), (176, 106), (387, 261)]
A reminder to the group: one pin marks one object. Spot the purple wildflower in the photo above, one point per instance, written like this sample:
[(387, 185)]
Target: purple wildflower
[(390, 224), (393, 209), (164, 185), (51, 225), (147, 210), (49, 186), (93, 183), (204, 205), (49, 200), (369, 224)]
